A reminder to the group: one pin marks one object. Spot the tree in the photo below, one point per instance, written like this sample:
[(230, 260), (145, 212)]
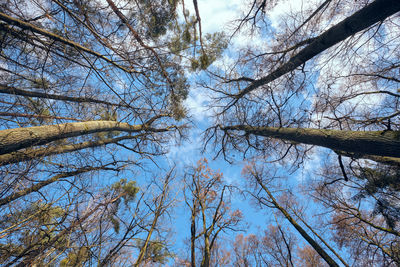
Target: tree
[(94, 90), (55, 82), (364, 18), (274, 246), (92, 96), (49, 236), (309, 257), (155, 250), (16, 139), (69, 69), (245, 248), (294, 89), (211, 215), (363, 213), (254, 173), (297, 90)]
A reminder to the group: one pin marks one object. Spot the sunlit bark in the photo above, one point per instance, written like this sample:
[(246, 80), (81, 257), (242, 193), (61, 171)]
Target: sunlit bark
[(14, 139)]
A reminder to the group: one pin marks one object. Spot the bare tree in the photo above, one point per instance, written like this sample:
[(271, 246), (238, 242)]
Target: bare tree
[(211, 215), (68, 62), (292, 85), (259, 176)]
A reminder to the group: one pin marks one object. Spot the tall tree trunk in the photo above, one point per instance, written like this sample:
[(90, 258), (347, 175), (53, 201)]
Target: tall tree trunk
[(206, 257), (14, 139), (362, 19), (384, 160), (379, 143), (301, 231), (206, 233), (320, 238), (193, 235), (32, 153)]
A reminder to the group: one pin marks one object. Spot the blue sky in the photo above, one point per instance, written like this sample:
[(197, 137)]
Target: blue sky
[(219, 16)]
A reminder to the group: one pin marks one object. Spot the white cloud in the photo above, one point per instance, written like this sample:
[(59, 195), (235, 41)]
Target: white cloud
[(187, 152), (196, 103), (216, 14), (336, 79), (278, 13)]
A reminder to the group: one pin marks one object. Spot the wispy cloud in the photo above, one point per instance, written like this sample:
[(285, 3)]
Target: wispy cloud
[(196, 103)]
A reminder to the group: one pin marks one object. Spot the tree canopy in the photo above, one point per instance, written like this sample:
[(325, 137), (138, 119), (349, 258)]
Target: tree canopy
[(302, 95)]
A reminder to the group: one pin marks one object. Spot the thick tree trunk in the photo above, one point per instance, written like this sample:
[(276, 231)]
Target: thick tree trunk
[(362, 19), (14, 139), (29, 154), (378, 143)]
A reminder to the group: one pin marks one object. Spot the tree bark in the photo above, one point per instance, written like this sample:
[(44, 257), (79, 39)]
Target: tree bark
[(29, 154), (378, 143), (14, 139), (207, 253), (206, 233), (384, 160), (375, 12)]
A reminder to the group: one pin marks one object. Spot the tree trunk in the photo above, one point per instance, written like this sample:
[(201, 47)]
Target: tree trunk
[(206, 233), (384, 160), (378, 143), (14, 139), (301, 231), (362, 19), (206, 257), (193, 235), (29, 154)]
